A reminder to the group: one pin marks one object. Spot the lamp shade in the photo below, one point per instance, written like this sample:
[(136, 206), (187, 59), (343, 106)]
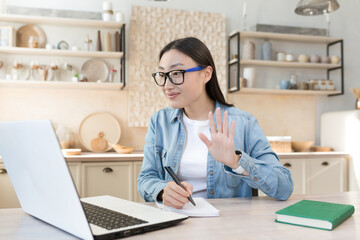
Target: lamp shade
[(316, 7)]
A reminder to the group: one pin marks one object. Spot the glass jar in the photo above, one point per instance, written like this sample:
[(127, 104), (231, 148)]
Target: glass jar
[(66, 137), (113, 75), (88, 45)]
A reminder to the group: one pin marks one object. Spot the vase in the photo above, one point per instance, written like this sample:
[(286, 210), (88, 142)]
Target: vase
[(266, 50), (249, 50), (249, 75)]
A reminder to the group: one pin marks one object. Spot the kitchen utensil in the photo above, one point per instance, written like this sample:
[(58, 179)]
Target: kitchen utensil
[(289, 57), (281, 56), (303, 58), (314, 58), (95, 69), (121, 149), (335, 59), (62, 45), (284, 84), (320, 149), (99, 144), (301, 146), (95, 123), (249, 74), (24, 33), (71, 152)]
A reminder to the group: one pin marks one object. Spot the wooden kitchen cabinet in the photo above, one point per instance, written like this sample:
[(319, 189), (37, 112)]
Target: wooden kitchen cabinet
[(316, 174), (8, 198), (326, 175), (298, 172), (137, 169), (107, 178), (75, 171)]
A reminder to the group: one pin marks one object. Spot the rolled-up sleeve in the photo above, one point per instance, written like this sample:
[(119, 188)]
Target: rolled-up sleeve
[(263, 165)]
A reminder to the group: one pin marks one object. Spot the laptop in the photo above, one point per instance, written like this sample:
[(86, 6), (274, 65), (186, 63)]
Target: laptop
[(43, 184)]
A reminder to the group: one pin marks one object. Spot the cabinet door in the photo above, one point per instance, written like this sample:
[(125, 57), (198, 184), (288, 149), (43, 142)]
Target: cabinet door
[(137, 169), (8, 198), (75, 170), (297, 168), (107, 178), (327, 175)]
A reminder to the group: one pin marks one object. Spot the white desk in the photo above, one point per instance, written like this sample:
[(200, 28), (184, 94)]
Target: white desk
[(239, 219)]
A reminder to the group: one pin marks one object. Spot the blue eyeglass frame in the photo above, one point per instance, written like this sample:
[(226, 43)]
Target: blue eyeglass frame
[(194, 69)]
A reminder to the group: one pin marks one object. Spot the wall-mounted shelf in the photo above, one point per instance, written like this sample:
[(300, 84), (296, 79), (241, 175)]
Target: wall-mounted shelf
[(57, 52), (285, 64), (285, 92), (235, 64), (70, 22), (59, 84), (286, 37)]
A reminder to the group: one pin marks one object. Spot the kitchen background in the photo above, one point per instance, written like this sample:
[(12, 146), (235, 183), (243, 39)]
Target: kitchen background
[(279, 115)]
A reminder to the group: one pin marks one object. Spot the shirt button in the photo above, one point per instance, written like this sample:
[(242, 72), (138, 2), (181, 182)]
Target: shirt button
[(255, 178), (211, 173), (211, 192)]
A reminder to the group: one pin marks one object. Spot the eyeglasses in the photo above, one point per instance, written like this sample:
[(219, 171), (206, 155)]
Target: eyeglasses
[(176, 77)]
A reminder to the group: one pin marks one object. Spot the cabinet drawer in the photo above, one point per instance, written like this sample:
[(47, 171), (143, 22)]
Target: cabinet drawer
[(326, 175), (297, 168), (8, 198), (107, 178)]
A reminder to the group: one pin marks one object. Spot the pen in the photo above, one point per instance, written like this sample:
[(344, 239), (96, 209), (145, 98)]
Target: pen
[(177, 181)]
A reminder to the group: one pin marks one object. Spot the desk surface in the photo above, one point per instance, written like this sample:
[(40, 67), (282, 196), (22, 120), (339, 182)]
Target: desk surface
[(240, 218)]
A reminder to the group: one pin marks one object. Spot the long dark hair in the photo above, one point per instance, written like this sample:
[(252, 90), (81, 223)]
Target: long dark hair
[(198, 51)]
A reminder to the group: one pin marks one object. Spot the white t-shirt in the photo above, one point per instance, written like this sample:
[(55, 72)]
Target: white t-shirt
[(193, 163)]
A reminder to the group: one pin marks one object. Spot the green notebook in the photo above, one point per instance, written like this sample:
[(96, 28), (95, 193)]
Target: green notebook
[(315, 214)]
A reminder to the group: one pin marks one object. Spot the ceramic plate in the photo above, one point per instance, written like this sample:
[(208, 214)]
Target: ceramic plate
[(24, 33), (99, 122), (94, 70)]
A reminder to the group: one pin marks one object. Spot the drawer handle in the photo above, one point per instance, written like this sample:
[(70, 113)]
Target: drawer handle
[(287, 165), (325, 164), (3, 171), (107, 170)]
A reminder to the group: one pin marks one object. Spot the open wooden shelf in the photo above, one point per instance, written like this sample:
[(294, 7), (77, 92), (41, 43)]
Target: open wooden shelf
[(57, 52), (60, 84), (284, 92), (73, 22), (288, 64), (286, 37)]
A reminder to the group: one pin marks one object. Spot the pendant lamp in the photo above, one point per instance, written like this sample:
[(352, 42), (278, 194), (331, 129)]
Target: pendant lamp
[(316, 7)]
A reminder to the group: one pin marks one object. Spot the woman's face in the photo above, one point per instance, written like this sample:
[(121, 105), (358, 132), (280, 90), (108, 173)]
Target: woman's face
[(193, 87)]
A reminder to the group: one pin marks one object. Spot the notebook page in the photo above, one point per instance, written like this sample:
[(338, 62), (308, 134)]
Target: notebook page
[(202, 209)]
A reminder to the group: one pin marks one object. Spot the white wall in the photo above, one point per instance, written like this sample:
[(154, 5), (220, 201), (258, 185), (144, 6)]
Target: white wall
[(280, 12)]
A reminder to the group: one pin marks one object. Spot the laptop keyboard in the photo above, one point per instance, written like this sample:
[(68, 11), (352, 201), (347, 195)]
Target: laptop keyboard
[(107, 218)]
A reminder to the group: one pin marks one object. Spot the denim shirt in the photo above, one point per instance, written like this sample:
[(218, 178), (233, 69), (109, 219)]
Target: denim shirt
[(164, 143)]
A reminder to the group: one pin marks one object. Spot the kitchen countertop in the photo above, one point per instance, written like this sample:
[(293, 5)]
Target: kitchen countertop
[(138, 155)]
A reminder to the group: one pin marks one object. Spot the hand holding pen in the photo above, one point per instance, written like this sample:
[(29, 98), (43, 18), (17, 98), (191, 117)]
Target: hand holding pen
[(176, 195)]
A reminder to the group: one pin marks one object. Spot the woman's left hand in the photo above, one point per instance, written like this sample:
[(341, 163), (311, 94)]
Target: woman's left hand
[(221, 147)]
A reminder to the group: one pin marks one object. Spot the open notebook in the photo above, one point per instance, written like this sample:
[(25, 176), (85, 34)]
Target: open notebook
[(202, 209)]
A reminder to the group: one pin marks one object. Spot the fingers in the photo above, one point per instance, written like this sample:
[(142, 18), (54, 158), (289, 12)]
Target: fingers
[(212, 123), (226, 124), (188, 186), (232, 130), (175, 196), (205, 140), (218, 120)]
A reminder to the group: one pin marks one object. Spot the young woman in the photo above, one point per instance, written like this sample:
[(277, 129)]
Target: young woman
[(217, 150)]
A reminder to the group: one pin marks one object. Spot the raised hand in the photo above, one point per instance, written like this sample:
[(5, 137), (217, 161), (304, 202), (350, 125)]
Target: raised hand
[(221, 147)]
